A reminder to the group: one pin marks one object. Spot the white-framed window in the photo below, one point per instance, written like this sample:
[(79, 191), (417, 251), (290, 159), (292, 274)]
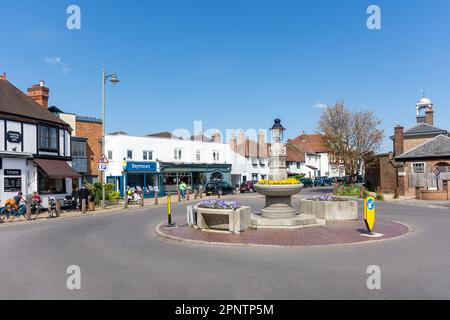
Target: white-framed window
[(147, 155), (299, 165), (418, 167), (198, 155), (216, 156), (177, 154), (110, 154)]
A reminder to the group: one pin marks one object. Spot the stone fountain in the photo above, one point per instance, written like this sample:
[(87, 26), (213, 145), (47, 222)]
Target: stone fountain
[(278, 210)]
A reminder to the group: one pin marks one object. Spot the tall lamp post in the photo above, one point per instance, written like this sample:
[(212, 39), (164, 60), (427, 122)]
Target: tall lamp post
[(114, 80)]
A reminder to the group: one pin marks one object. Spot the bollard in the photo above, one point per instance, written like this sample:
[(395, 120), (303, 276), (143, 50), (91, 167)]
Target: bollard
[(169, 213), (156, 198), (28, 214), (187, 194), (83, 206), (179, 195), (125, 201), (195, 194), (201, 192), (58, 208), (142, 199)]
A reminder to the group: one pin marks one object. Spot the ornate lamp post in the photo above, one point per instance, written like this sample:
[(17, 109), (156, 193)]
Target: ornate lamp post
[(278, 153), (114, 80)]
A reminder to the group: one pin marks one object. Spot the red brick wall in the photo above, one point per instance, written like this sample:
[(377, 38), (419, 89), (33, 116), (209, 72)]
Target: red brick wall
[(93, 132)]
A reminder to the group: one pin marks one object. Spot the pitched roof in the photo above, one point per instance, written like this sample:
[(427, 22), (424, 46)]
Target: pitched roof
[(294, 153), (437, 147), (310, 142), (422, 129), (15, 103), (165, 134)]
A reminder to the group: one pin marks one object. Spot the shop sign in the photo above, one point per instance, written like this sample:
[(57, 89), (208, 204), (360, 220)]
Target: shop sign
[(13, 184), (141, 166), (14, 137), (13, 172)]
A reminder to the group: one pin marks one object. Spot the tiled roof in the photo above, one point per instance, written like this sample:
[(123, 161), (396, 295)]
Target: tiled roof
[(312, 143), (15, 103), (423, 129), (294, 153), (434, 148)]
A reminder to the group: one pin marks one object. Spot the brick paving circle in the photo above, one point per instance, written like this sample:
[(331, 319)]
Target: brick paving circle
[(334, 233)]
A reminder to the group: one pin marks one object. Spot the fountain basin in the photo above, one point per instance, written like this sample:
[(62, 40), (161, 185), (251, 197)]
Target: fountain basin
[(278, 200), (283, 190)]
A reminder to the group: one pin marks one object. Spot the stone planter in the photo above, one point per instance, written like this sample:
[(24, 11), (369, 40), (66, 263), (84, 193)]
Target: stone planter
[(235, 221), (330, 210)]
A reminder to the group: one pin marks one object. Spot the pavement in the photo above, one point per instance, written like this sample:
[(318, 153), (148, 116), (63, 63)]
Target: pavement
[(120, 256)]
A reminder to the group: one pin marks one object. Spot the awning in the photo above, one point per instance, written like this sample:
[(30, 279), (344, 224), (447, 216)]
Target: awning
[(56, 168)]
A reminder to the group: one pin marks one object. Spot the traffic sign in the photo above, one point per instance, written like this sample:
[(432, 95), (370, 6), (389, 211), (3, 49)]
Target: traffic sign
[(103, 159), (369, 213), (437, 172), (102, 166)]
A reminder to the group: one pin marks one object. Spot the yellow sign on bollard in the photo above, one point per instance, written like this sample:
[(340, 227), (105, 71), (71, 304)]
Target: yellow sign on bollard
[(369, 213)]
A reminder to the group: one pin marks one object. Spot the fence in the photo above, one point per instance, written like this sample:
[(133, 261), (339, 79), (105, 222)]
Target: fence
[(428, 180)]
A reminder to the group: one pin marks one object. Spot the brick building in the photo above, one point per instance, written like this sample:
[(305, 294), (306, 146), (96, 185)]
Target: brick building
[(418, 153), (86, 144)]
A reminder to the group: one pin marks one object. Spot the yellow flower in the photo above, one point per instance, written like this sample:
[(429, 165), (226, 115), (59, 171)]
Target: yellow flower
[(279, 182)]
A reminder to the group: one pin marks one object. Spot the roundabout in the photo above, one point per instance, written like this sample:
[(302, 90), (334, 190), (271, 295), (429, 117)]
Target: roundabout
[(334, 233)]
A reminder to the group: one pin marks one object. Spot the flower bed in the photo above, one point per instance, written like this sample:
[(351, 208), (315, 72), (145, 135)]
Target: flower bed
[(219, 204), (279, 182), (325, 198)]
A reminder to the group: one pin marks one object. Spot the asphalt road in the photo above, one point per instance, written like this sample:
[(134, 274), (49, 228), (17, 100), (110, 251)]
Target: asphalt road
[(121, 257)]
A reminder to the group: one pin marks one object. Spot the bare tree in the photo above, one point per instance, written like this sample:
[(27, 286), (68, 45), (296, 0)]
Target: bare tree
[(350, 135)]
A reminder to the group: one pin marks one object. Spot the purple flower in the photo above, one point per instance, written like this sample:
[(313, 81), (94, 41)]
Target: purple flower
[(219, 204)]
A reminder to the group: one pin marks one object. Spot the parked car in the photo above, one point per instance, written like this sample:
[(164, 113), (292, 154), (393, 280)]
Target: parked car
[(247, 186), (307, 182), (219, 187)]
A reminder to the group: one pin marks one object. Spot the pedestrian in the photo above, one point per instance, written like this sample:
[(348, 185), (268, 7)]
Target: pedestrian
[(182, 187)]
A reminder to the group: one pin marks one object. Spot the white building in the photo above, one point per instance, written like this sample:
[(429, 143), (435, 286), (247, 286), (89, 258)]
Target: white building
[(35, 145), (163, 161)]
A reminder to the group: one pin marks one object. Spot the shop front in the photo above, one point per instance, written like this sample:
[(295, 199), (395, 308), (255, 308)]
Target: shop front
[(141, 176), (194, 175)]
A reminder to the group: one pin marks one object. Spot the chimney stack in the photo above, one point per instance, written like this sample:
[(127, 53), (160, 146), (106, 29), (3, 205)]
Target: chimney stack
[(217, 137), (247, 147), (39, 93), (233, 142), (261, 144), (429, 117), (399, 146)]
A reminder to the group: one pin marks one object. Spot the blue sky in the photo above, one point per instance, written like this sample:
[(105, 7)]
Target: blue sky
[(229, 63)]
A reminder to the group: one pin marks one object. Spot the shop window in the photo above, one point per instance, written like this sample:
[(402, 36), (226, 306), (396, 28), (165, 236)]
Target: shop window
[(147, 155), (129, 154), (48, 138), (47, 185), (418, 167)]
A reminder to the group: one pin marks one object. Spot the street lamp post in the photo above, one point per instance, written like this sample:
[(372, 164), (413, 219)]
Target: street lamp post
[(114, 80)]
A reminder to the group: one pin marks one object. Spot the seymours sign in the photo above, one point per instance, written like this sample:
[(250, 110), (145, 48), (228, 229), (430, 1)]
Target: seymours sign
[(141, 166), (14, 137)]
